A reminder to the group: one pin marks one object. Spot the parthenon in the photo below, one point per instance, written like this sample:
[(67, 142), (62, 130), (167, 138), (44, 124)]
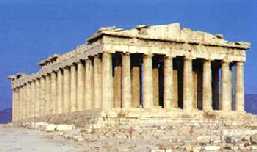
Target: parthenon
[(163, 67)]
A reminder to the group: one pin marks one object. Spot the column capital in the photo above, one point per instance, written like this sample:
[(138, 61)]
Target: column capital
[(240, 62), (148, 55), (168, 57), (225, 61), (126, 53), (188, 58)]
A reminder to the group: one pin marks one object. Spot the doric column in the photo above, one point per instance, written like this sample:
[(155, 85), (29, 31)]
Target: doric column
[(226, 97), (240, 86), (66, 90), (73, 95), (60, 92), (53, 93), (42, 95), (26, 100), (135, 80), (33, 100), (81, 86), (207, 88), (89, 84), (97, 82), (24, 97), (148, 85), (187, 85), (21, 104), (48, 104), (14, 104), (117, 80), (126, 81), (37, 98), (18, 109), (168, 82), (107, 81)]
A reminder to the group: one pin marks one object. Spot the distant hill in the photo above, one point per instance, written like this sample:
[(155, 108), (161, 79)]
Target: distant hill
[(251, 103), (5, 116)]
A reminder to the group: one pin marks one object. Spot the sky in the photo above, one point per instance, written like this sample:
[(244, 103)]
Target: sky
[(31, 30)]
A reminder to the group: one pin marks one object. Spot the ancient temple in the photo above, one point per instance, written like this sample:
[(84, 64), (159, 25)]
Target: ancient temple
[(164, 67)]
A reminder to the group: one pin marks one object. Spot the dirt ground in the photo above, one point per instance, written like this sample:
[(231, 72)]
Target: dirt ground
[(28, 140)]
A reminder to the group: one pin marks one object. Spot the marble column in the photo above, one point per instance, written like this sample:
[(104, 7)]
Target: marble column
[(48, 104), (89, 84), (53, 93), (107, 81), (27, 100), (207, 88), (97, 83), (60, 92), (226, 97), (18, 110), (42, 95), (21, 105), (147, 82), (73, 91), (33, 100), (24, 92), (155, 81), (14, 104), (239, 86), (168, 82), (126, 81), (66, 90), (117, 81), (37, 98), (187, 85), (135, 80), (81, 86)]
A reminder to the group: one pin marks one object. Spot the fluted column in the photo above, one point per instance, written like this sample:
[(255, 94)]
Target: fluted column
[(33, 100), (240, 86), (107, 81), (126, 81), (73, 90), (66, 90), (97, 83), (207, 88), (226, 98), (18, 110), (37, 98), (53, 93), (21, 105), (42, 96), (24, 97), (168, 82), (89, 84), (48, 104), (13, 104), (187, 85), (27, 100), (81, 86), (148, 85), (60, 99)]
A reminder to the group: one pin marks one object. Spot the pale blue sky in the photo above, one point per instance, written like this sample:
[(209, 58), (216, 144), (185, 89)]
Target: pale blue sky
[(33, 29)]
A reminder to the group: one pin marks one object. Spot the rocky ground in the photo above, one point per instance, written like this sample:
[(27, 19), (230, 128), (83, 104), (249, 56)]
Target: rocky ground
[(178, 135)]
